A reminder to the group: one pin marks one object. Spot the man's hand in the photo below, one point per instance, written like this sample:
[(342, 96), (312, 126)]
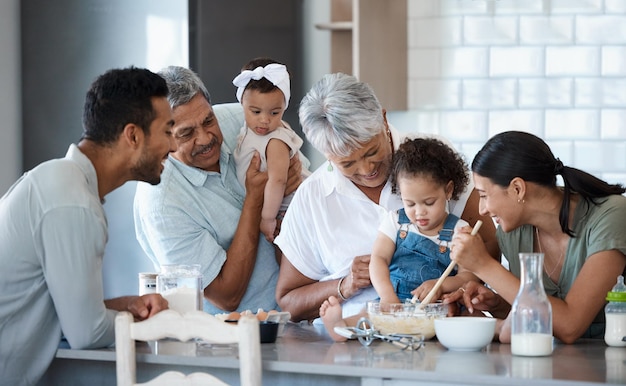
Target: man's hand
[(294, 176), (143, 307), (255, 179)]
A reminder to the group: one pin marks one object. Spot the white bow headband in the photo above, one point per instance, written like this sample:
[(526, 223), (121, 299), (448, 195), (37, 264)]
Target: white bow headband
[(274, 72)]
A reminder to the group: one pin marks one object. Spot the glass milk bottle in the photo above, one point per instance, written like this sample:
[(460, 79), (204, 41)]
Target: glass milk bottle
[(531, 313), (615, 314), (181, 286)]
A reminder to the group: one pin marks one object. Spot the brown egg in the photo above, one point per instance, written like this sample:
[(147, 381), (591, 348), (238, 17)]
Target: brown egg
[(233, 316), (261, 315)]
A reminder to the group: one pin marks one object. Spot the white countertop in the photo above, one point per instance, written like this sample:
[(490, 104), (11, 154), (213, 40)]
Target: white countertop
[(306, 355)]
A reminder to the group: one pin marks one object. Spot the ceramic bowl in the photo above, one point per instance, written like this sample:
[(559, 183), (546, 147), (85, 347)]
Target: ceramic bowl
[(465, 333), (271, 316), (281, 318), (269, 331), (406, 318)]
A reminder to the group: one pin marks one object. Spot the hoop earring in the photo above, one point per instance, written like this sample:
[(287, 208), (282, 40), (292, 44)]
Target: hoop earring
[(522, 201)]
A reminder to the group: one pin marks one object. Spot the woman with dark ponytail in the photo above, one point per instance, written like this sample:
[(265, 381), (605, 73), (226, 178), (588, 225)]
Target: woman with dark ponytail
[(580, 228)]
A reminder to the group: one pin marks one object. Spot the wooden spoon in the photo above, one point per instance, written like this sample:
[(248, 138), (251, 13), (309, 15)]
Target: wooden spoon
[(445, 274)]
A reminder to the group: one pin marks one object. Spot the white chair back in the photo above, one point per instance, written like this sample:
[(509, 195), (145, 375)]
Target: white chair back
[(196, 324)]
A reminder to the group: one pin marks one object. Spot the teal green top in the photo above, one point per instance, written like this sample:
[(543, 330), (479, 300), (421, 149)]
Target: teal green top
[(597, 228)]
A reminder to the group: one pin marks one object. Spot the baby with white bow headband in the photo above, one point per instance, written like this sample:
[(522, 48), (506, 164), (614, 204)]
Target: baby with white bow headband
[(263, 90)]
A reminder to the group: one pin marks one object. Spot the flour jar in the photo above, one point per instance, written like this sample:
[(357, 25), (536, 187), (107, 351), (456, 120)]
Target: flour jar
[(181, 286)]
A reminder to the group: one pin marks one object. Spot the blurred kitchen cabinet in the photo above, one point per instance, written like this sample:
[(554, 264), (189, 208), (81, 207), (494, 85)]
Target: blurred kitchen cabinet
[(224, 35), (369, 41)]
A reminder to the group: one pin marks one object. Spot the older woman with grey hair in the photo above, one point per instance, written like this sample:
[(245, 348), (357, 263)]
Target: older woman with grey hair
[(329, 230)]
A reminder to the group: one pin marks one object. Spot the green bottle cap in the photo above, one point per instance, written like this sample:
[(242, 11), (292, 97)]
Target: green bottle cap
[(618, 294)]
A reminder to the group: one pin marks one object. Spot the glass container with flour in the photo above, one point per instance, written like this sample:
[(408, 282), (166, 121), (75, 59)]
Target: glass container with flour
[(181, 286)]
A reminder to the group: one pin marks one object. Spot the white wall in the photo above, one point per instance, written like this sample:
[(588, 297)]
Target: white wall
[(10, 113), (555, 68)]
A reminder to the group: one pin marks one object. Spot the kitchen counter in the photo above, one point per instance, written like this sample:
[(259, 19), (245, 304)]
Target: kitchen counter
[(305, 355)]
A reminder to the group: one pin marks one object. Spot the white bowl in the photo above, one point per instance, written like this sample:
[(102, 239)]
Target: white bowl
[(465, 333)]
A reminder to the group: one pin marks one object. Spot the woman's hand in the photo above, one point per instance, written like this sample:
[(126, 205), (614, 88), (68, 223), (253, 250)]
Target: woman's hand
[(469, 251), (503, 330), (476, 297), (359, 276)]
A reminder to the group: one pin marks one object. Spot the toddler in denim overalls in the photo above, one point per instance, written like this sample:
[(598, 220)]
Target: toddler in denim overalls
[(417, 258), (427, 173)]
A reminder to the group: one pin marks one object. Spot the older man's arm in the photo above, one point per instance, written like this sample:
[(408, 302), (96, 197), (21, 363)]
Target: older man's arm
[(230, 285)]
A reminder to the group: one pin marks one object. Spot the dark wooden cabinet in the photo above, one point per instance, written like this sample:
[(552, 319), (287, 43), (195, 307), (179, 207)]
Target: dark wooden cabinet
[(224, 35)]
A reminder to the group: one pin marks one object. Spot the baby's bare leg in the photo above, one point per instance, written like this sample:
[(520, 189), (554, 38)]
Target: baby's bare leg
[(330, 312)]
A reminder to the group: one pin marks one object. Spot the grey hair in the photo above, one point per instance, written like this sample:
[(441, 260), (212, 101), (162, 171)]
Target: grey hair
[(339, 114), (183, 85)]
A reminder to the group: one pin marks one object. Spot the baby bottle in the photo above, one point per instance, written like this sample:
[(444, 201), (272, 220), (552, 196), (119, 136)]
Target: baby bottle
[(180, 285), (615, 313), (531, 313)]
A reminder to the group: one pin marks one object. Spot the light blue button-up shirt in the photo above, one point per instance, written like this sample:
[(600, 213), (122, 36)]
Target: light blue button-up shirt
[(53, 232), (191, 218)]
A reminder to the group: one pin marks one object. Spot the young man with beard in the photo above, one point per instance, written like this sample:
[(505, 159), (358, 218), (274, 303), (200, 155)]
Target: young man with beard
[(53, 228)]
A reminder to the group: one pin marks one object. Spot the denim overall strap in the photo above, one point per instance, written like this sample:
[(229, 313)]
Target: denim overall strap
[(405, 223), (402, 217), (446, 233), (416, 259)]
